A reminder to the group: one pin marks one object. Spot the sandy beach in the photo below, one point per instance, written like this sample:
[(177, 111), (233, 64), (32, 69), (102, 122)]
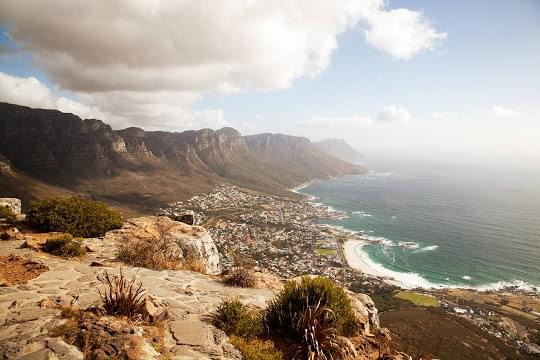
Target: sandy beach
[(359, 260), (296, 189)]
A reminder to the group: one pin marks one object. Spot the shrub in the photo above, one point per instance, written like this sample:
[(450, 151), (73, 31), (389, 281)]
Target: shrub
[(159, 251), (65, 245), (255, 349), (235, 318), (320, 339), (285, 310), (79, 217), (122, 296), (241, 277), (7, 213)]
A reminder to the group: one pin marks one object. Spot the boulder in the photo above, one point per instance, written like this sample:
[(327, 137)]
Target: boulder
[(366, 312), (180, 241), (13, 203)]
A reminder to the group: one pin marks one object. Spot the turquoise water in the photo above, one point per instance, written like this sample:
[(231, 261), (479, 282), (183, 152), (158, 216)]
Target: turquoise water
[(451, 225)]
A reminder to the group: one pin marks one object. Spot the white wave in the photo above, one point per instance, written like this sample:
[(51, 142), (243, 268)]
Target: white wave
[(427, 248), (466, 277), (361, 213), (408, 245), (372, 174)]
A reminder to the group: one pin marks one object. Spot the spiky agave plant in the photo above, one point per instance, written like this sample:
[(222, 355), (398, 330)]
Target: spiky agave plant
[(122, 296), (320, 339)]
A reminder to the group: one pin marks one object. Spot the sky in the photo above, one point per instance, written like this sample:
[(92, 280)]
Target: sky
[(458, 79)]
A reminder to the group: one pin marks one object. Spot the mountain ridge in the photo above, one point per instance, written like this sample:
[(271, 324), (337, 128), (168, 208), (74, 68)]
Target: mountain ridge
[(340, 149), (134, 168)]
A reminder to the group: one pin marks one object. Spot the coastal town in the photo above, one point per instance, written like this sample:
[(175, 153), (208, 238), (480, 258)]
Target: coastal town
[(288, 237), (278, 234)]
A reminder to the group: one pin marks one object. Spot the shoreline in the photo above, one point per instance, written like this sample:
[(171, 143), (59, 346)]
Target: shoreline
[(303, 185)]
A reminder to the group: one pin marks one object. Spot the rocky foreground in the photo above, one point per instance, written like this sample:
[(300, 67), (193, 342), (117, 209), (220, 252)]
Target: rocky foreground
[(31, 309)]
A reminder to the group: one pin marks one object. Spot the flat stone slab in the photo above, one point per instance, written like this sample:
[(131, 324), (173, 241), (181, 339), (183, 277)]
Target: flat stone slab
[(189, 332)]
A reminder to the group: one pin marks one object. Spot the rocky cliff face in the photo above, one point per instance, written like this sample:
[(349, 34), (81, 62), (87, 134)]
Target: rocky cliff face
[(132, 165)]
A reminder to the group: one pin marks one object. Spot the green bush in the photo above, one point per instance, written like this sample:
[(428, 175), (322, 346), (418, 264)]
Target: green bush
[(65, 245), (287, 307), (255, 349), (235, 318), (79, 217), (6, 213)]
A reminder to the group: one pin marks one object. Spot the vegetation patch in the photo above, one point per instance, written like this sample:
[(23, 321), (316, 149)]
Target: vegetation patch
[(322, 251), (122, 296), (320, 339), (286, 309), (256, 349), (418, 299), (79, 217), (236, 318), (241, 277), (7, 213), (65, 245)]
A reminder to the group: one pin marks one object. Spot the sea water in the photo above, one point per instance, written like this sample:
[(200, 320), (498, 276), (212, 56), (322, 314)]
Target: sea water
[(443, 224)]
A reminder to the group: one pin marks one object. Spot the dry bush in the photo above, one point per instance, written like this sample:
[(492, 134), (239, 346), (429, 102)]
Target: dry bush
[(241, 277), (122, 296), (241, 274), (158, 251), (320, 339)]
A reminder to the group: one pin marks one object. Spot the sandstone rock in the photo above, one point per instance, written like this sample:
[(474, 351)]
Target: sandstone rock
[(14, 234), (366, 312), (13, 203), (62, 350), (179, 240), (154, 310)]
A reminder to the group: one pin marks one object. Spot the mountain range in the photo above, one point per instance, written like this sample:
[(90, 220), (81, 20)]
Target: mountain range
[(47, 153), (340, 149)]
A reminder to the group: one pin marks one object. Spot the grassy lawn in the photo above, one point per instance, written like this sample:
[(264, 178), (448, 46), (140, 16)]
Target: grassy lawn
[(418, 299), (325, 251)]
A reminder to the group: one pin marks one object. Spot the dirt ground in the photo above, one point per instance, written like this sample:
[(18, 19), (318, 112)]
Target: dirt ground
[(16, 270), (431, 333)]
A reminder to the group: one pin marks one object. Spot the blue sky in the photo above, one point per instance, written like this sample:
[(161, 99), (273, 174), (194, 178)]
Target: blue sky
[(475, 82)]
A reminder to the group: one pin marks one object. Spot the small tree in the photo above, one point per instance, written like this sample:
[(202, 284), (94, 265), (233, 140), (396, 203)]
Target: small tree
[(79, 217)]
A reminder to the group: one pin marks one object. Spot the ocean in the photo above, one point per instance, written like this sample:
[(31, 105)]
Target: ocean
[(434, 224)]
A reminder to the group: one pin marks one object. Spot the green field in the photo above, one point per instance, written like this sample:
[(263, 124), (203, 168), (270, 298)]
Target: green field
[(321, 251), (418, 299)]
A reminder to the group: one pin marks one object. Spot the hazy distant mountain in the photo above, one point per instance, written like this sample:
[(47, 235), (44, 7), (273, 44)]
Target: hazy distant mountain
[(46, 152), (339, 148)]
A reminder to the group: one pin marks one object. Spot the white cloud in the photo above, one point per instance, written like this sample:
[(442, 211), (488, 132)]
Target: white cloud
[(144, 108), (503, 111), (342, 122), (402, 33), (31, 92), (392, 113), (149, 61), (439, 115)]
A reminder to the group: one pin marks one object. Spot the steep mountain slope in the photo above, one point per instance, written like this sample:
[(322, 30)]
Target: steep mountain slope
[(46, 152), (339, 148)]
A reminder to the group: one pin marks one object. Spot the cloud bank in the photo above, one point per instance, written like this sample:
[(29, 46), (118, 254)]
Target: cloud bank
[(504, 111), (393, 113), (149, 61)]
